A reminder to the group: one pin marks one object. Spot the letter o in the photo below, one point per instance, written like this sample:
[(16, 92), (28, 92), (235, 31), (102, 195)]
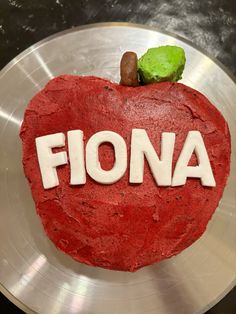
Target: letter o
[(92, 158)]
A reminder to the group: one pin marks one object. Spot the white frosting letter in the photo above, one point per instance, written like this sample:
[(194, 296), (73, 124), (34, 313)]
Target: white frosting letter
[(76, 156), (193, 143), (92, 159), (161, 168), (49, 161)]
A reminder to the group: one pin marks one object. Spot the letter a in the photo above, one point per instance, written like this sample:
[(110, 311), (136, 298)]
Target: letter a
[(193, 143)]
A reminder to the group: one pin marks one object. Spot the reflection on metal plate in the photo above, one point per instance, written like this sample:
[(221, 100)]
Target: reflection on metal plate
[(32, 270)]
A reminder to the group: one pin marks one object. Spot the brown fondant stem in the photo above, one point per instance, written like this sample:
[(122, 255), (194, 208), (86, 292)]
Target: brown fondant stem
[(128, 69)]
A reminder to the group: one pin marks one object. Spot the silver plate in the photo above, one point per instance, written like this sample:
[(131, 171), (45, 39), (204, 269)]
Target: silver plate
[(33, 273)]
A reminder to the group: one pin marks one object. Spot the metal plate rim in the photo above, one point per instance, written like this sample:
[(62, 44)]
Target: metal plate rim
[(113, 24), (15, 300)]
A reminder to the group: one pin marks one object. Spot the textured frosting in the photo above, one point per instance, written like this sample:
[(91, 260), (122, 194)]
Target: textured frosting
[(124, 226), (165, 63)]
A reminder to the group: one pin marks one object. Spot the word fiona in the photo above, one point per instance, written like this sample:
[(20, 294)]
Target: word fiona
[(141, 147)]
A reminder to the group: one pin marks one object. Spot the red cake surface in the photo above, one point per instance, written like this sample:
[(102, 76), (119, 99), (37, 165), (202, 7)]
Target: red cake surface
[(124, 226)]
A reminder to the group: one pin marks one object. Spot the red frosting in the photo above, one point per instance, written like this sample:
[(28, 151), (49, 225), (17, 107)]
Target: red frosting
[(124, 226)]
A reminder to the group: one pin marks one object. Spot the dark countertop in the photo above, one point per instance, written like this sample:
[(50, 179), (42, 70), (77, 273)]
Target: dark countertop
[(210, 24)]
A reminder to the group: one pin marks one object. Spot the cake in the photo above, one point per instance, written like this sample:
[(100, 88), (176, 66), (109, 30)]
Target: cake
[(123, 225)]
